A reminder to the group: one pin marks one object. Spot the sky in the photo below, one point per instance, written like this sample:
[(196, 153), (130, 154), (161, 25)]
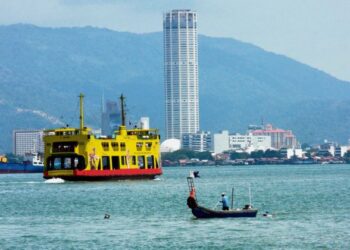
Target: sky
[(314, 32)]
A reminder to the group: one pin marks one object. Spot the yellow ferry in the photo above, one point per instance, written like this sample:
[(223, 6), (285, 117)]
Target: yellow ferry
[(77, 154)]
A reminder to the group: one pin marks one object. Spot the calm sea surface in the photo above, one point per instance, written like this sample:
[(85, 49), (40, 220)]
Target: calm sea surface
[(310, 204)]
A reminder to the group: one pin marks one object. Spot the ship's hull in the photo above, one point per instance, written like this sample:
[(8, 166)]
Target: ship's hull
[(13, 168), (97, 175)]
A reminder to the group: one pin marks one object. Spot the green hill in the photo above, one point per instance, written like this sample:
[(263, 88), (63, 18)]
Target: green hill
[(42, 71)]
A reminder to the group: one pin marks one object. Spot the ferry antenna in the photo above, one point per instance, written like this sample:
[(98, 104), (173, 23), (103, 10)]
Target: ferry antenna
[(81, 116), (122, 104)]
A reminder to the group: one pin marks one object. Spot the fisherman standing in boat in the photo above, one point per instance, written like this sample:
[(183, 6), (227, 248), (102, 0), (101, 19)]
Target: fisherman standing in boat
[(224, 202)]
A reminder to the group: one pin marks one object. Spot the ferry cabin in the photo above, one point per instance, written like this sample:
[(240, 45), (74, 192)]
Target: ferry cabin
[(76, 154)]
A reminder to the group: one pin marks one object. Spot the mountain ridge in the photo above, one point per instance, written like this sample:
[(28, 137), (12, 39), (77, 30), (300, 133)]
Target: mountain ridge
[(239, 83)]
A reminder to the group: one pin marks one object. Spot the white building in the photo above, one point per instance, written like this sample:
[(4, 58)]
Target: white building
[(27, 142), (327, 148), (291, 152), (340, 151), (236, 142), (144, 123), (200, 141), (220, 142), (181, 73), (249, 142)]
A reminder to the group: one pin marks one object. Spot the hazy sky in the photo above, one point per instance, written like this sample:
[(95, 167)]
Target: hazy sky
[(315, 32)]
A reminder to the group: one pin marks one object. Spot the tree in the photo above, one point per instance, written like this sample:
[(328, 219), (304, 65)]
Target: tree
[(347, 157), (237, 155), (257, 154), (272, 154), (186, 154)]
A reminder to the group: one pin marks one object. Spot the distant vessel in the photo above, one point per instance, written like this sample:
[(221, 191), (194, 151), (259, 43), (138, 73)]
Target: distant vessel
[(76, 154), (33, 164)]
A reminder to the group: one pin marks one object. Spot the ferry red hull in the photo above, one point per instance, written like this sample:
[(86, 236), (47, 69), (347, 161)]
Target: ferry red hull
[(121, 174)]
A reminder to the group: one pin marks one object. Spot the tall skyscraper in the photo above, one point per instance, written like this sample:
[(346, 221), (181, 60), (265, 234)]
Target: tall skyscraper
[(181, 73), (110, 119)]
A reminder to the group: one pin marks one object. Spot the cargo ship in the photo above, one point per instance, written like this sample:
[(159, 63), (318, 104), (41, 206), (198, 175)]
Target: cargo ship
[(32, 164), (77, 154)]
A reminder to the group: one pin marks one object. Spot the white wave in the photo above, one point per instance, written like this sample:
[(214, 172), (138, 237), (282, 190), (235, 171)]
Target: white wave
[(54, 181), (157, 179)]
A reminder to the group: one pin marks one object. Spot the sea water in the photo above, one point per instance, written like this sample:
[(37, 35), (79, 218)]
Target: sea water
[(310, 206)]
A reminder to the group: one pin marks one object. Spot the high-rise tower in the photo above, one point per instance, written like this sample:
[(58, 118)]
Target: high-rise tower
[(181, 72), (110, 118)]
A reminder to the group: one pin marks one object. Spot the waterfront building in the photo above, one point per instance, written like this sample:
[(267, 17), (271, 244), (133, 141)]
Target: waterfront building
[(333, 149), (237, 142), (200, 141), (181, 73), (339, 151), (327, 148), (220, 142), (27, 142), (110, 118), (280, 138), (291, 152), (249, 142)]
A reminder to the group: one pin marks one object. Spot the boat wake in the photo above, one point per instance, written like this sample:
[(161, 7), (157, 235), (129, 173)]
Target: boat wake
[(157, 179), (54, 181)]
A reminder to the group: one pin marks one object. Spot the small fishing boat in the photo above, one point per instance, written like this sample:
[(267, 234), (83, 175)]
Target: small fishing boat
[(203, 212)]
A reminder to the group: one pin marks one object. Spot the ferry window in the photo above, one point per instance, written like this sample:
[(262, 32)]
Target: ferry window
[(64, 146), (141, 161), (133, 160), (75, 162), (115, 162), (148, 145), (115, 146), (122, 146), (57, 163), (157, 166), (67, 163), (105, 146), (124, 160), (78, 162), (150, 161), (139, 146), (105, 162)]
